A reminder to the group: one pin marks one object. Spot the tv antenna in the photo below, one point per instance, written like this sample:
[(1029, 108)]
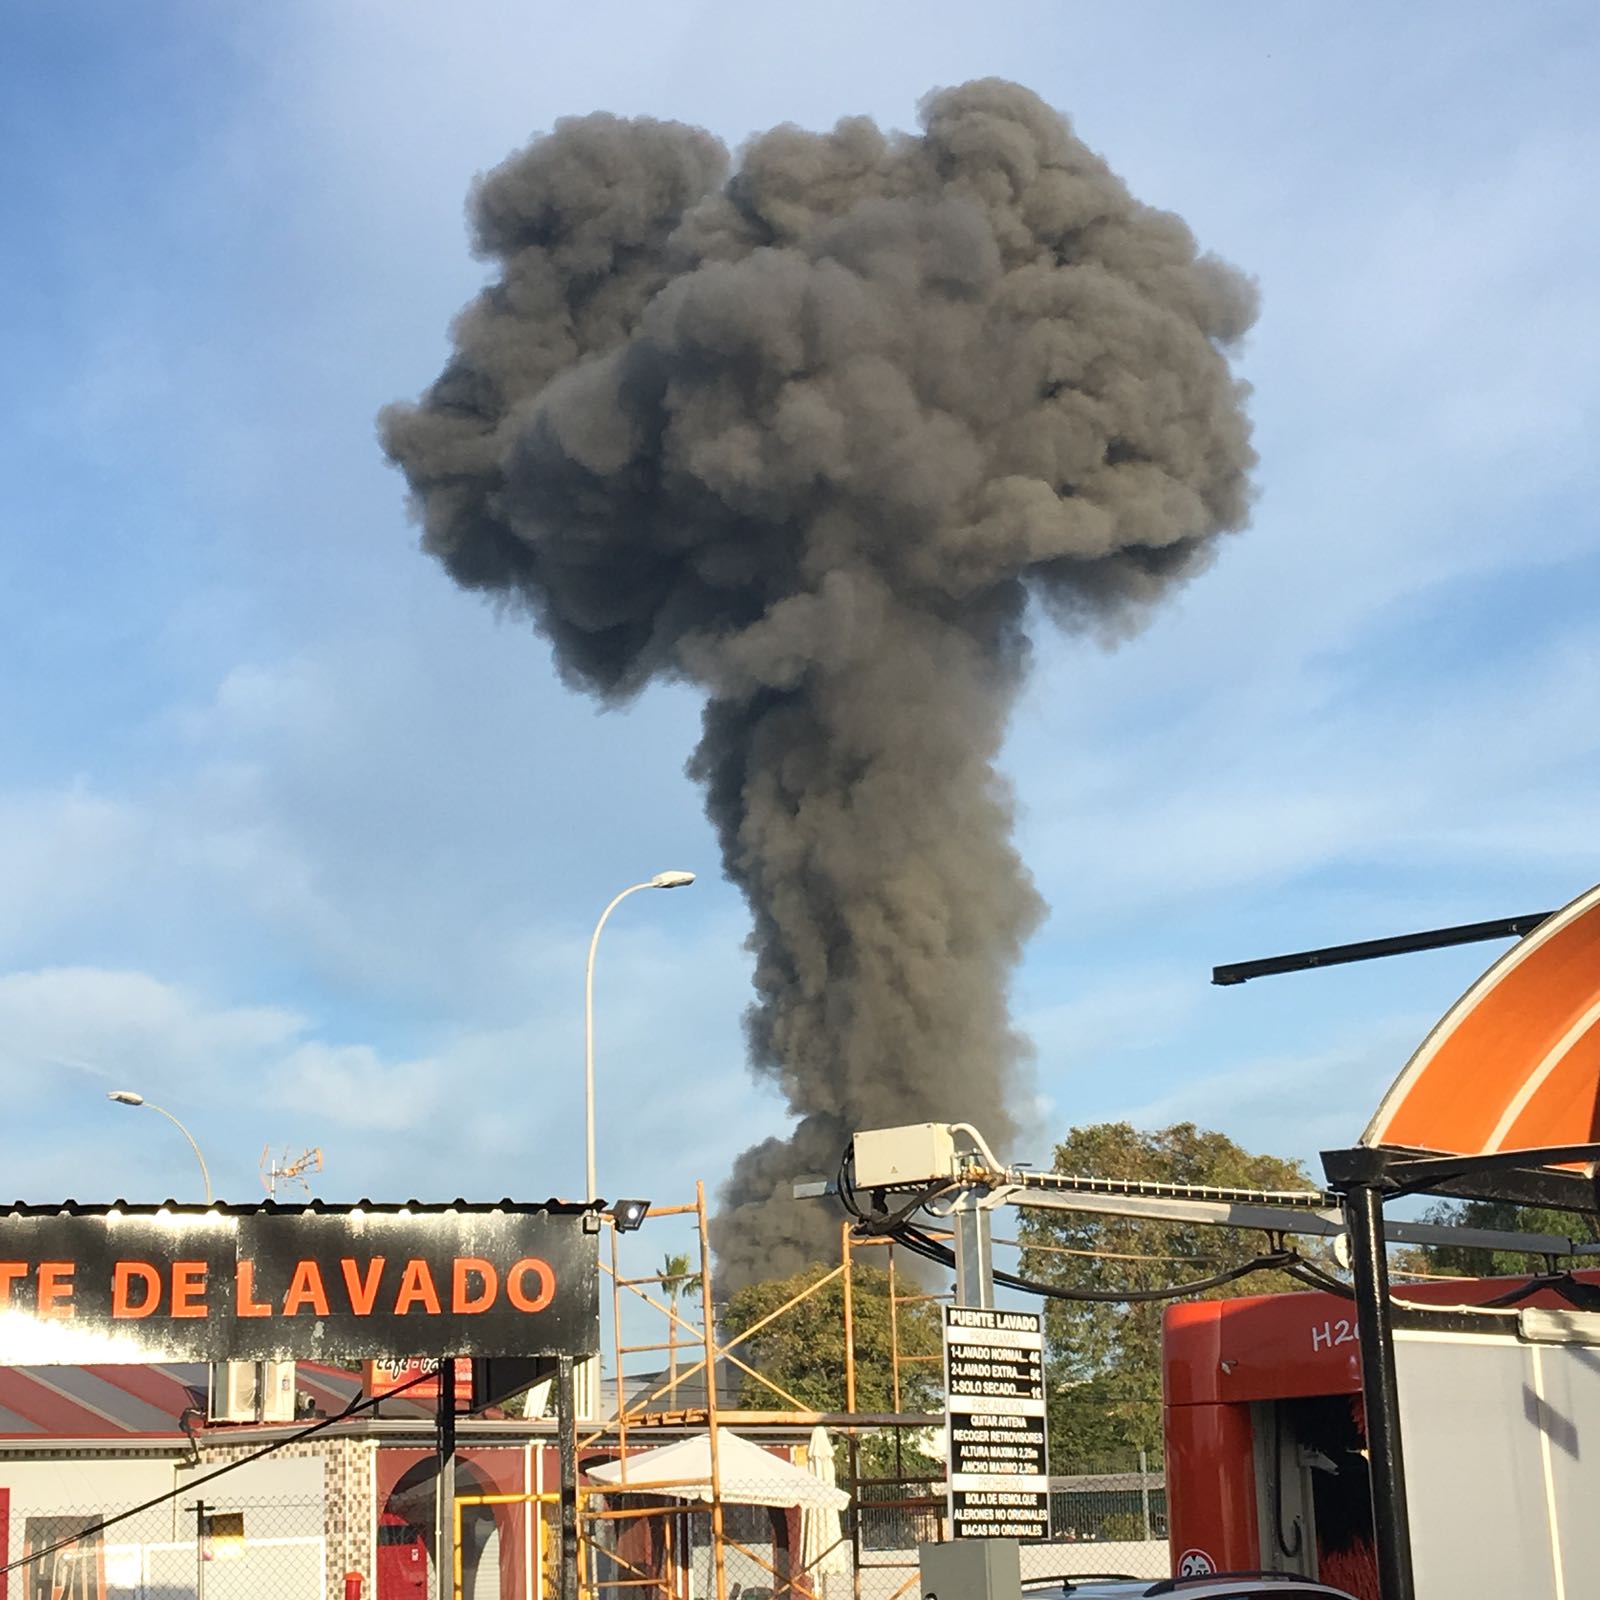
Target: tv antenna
[(289, 1168)]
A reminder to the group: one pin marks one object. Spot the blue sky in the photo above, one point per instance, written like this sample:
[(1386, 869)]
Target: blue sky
[(306, 845)]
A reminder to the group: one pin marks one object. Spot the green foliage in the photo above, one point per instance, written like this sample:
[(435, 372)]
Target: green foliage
[(802, 1350), (1104, 1361), (678, 1280), (1504, 1216), (1122, 1525)]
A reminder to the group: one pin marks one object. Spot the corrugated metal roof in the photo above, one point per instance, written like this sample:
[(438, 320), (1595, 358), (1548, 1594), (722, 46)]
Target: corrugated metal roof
[(146, 1401), (115, 1403), (98, 1402)]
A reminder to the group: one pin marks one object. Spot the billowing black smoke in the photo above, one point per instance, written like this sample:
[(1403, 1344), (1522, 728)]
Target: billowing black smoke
[(809, 436)]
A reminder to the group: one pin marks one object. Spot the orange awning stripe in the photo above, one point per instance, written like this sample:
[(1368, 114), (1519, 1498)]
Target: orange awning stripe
[(1515, 1063)]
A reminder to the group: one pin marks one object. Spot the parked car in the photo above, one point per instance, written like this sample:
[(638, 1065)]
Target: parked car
[(1211, 1586)]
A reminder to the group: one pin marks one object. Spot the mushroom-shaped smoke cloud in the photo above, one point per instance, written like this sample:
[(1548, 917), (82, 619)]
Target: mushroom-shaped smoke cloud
[(809, 435)]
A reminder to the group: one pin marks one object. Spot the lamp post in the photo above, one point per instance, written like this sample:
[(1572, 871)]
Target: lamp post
[(126, 1097), (662, 880)]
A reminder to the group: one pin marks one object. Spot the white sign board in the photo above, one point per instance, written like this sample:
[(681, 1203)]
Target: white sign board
[(995, 1425)]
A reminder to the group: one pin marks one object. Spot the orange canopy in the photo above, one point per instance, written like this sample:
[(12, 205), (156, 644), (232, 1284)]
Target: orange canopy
[(1514, 1064)]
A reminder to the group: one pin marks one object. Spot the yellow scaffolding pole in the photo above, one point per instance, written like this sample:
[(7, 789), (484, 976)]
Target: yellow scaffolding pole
[(526, 1497)]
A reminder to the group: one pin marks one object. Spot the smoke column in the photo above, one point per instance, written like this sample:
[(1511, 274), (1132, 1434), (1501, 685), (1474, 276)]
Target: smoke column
[(809, 433)]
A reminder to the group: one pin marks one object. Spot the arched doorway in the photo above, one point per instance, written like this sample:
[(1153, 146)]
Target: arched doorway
[(406, 1537)]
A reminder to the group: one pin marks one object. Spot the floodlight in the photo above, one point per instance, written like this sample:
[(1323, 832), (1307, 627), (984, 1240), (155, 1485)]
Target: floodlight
[(626, 1215)]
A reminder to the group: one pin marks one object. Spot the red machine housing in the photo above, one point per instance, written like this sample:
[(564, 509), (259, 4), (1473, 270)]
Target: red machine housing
[(1252, 1389)]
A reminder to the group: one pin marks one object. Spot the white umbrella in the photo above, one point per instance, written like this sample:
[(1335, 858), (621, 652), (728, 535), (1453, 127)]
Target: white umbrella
[(822, 1550), (747, 1475)]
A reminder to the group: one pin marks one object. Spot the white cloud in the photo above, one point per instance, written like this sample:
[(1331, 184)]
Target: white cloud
[(56, 848), (1294, 1102), (351, 1086)]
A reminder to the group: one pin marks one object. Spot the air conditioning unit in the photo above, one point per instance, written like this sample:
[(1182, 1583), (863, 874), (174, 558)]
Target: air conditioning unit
[(252, 1391)]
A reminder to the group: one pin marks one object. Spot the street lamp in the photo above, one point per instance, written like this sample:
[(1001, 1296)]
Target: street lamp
[(662, 880), (126, 1097)]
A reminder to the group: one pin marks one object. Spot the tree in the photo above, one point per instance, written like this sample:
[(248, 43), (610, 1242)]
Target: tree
[(1104, 1360), (1503, 1216), (802, 1350), (678, 1282)]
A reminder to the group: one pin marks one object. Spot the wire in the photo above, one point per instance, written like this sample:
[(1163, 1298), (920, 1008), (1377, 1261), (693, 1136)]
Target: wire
[(1585, 1296), (360, 1403), (874, 1224), (1276, 1261), (896, 1225)]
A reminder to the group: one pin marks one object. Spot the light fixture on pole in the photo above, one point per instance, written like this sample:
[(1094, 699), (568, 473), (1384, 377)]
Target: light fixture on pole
[(662, 880), (126, 1097)]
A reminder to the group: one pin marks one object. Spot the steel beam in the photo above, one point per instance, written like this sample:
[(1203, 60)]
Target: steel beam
[(1280, 1219), (1369, 1266), (1335, 955), (974, 1247)]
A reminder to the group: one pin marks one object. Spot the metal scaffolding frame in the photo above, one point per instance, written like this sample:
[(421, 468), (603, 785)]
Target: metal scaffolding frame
[(637, 1417)]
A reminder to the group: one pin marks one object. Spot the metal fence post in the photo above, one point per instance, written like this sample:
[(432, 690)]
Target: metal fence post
[(444, 1531), (1144, 1491), (567, 1441), (200, 1550)]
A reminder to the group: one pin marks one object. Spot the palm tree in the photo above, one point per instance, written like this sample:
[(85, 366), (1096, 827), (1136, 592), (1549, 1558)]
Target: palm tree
[(678, 1281)]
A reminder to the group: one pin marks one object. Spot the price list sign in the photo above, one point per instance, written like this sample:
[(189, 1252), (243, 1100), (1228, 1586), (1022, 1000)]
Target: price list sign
[(995, 1424)]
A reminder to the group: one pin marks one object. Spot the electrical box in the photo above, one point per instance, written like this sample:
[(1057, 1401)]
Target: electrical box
[(971, 1569), (889, 1157), (252, 1391)]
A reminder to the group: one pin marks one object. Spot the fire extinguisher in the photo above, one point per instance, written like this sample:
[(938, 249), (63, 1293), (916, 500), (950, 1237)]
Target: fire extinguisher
[(352, 1586)]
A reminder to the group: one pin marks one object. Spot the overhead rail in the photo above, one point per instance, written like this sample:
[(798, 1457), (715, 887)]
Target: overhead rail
[(1402, 944)]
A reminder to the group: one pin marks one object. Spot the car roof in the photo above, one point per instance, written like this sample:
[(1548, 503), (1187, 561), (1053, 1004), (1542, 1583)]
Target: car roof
[(1212, 1586)]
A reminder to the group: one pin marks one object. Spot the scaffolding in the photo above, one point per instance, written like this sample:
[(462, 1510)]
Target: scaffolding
[(659, 1513)]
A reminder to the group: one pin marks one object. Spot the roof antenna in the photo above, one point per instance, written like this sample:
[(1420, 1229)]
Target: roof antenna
[(289, 1169)]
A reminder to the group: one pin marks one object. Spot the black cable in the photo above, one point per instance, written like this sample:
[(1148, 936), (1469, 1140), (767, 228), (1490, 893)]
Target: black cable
[(932, 1250), (1585, 1296), (897, 1226), (1313, 1276), (360, 1403), (1283, 1545), (874, 1224)]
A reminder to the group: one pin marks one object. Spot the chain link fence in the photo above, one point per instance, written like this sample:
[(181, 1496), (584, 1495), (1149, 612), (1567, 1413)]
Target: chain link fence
[(185, 1549), (1106, 1518), (1109, 1518)]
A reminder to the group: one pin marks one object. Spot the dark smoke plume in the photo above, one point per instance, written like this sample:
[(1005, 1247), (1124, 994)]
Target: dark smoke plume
[(810, 435)]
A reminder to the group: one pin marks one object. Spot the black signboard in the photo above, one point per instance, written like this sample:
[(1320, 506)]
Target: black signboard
[(990, 1442), (254, 1285), (995, 1418), (1000, 1513), (982, 1372)]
